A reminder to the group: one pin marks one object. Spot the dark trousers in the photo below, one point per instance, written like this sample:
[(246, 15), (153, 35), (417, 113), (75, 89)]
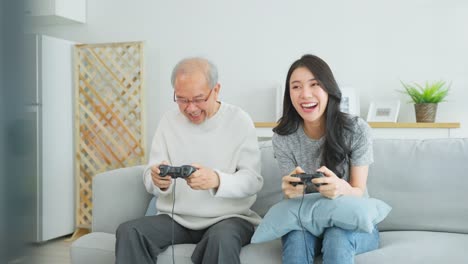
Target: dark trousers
[(142, 240)]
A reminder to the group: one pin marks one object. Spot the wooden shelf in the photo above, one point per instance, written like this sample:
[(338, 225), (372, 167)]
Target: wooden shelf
[(383, 125), (265, 124), (413, 125)]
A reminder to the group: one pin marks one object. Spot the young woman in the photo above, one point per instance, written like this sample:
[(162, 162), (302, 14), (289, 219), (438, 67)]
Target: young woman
[(314, 135)]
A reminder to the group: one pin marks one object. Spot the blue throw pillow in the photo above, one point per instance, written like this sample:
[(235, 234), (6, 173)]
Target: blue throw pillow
[(318, 213), (151, 210)]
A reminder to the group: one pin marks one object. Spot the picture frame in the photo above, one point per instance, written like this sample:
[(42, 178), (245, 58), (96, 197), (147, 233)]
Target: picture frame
[(383, 111)]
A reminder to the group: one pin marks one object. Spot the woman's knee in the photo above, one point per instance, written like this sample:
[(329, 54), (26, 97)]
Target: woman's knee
[(336, 238), (299, 239), (293, 236), (298, 246), (337, 233)]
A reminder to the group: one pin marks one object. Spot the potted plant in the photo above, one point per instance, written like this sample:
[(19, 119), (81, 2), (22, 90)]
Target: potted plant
[(426, 98)]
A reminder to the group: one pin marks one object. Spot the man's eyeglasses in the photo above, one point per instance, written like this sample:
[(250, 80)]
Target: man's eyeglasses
[(196, 101)]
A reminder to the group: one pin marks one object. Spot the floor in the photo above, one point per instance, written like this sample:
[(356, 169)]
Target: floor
[(55, 251)]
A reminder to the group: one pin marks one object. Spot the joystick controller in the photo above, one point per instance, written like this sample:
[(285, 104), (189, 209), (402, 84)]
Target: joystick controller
[(306, 178), (183, 171)]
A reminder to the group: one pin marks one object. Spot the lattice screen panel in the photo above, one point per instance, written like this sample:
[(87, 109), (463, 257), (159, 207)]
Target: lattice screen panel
[(109, 119)]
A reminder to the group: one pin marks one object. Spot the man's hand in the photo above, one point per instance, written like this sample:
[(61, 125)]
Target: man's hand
[(203, 178), (290, 191), (161, 182)]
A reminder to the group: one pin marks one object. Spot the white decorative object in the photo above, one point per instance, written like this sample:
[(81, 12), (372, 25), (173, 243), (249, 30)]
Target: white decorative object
[(47, 12), (349, 101), (109, 115), (50, 112), (383, 111), (279, 101)]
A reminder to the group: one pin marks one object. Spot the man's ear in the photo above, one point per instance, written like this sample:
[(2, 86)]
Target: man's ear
[(217, 88)]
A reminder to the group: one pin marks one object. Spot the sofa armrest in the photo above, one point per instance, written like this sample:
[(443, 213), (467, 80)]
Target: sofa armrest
[(118, 196)]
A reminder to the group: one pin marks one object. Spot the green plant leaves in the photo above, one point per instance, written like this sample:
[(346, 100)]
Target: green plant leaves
[(432, 92)]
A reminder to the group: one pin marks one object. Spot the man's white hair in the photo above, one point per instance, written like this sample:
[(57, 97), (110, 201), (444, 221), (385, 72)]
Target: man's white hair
[(190, 65)]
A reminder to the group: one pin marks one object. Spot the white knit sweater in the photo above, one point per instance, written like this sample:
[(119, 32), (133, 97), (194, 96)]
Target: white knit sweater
[(227, 143)]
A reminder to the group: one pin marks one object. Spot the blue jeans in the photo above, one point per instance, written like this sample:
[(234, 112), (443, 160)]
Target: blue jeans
[(338, 246)]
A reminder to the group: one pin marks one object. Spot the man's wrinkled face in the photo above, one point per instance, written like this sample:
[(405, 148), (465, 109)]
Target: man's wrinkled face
[(194, 96)]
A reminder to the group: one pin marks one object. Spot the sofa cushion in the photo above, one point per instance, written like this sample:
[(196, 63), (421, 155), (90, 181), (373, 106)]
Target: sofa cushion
[(409, 247), (151, 210), (99, 247), (318, 213), (268, 252), (414, 247), (95, 247), (425, 181), (182, 254)]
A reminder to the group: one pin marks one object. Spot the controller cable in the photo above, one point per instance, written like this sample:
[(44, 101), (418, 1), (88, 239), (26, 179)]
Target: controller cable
[(296, 164), (172, 216), (300, 222)]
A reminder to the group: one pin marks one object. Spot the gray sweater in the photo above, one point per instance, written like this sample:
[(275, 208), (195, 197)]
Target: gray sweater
[(227, 143), (297, 149)]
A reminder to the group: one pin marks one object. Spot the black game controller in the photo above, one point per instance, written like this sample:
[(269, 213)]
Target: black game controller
[(176, 172), (307, 178)]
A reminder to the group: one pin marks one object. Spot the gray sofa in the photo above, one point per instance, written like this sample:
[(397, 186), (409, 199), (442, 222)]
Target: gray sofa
[(425, 181)]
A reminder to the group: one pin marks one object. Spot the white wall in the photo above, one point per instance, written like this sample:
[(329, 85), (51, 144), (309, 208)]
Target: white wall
[(370, 45)]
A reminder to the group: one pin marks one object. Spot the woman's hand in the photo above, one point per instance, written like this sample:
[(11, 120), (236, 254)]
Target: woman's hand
[(289, 190), (332, 186)]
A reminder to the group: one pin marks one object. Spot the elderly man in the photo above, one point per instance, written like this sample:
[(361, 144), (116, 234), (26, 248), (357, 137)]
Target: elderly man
[(211, 207)]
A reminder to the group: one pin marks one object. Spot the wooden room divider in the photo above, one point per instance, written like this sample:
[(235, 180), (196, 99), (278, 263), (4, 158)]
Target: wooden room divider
[(109, 116)]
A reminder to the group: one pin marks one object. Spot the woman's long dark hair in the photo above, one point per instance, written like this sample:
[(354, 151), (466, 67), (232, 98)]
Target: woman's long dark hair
[(335, 152)]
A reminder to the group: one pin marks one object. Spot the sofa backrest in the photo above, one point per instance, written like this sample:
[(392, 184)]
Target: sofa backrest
[(425, 181), (118, 196), (271, 193)]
